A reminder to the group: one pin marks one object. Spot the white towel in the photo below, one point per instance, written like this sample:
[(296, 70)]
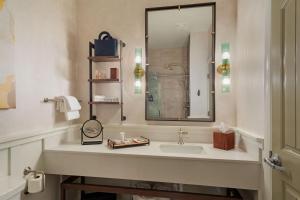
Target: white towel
[(72, 115), (69, 105), (145, 185)]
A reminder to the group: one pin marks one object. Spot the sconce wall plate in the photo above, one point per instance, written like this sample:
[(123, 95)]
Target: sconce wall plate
[(139, 72)]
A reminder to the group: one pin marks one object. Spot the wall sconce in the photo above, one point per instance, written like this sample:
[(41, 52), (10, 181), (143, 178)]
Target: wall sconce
[(224, 68), (138, 71)]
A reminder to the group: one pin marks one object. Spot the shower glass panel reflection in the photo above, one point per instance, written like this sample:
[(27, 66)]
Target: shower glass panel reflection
[(168, 83)]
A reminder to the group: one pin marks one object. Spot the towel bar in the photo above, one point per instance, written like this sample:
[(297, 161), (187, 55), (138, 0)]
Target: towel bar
[(47, 100)]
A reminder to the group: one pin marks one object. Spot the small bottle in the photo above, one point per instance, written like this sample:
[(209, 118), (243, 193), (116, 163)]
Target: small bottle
[(97, 74), (123, 137)]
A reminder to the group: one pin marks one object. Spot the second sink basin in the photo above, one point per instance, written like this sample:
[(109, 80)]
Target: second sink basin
[(185, 148)]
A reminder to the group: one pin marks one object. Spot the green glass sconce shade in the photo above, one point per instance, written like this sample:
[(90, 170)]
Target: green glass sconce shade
[(139, 72), (224, 68)]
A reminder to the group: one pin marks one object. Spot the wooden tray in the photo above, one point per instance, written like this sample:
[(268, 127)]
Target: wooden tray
[(114, 145)]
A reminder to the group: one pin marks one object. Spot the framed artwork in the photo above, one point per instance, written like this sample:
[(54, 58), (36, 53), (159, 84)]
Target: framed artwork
[(7, 42)]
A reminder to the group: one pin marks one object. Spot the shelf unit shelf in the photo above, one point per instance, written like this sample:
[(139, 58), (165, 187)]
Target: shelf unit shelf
[(104, 80), (104, 58), (98, 59), (103, 102)]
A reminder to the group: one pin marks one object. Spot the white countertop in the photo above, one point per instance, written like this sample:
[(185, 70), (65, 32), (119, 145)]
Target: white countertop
[(153, 150)]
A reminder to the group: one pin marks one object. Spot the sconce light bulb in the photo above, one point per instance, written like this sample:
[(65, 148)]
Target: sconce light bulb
[(138, 83), (138, 56), (226, 81), (226, 55), (137, 86), (138, 59)]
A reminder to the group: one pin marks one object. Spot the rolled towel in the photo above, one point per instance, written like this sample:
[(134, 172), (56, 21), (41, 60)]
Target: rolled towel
[(164, 187), (136, 197), (146, 185), (99, 98), (143, 185)]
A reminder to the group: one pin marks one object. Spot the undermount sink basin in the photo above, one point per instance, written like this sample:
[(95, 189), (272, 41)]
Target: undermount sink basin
[(185, 148)]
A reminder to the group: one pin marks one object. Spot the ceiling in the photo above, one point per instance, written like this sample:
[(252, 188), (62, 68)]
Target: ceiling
[(171, 28)]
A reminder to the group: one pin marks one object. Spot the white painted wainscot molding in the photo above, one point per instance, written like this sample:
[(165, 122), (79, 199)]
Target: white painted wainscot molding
[(22, 150)]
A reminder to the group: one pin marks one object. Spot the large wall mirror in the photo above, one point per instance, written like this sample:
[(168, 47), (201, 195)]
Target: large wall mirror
[(180, 55)]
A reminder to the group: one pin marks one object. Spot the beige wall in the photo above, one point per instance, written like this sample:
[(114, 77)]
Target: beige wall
[(252, 86), (44, 62), (125, 19), (251, 65)]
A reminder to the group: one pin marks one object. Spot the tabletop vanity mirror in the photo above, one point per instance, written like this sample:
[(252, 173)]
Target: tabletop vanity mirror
[(180, 55)]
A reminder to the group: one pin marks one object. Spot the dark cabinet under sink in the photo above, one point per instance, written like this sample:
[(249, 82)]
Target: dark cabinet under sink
[(104, 191)]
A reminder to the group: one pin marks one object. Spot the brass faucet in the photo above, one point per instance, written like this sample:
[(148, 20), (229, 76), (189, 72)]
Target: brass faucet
[(180, 136)]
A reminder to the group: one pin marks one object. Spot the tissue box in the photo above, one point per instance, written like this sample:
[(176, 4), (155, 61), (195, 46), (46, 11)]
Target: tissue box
[(224, 141)]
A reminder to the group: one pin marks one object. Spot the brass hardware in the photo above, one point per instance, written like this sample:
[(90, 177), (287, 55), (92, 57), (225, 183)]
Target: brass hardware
[(139, 71), (223, 69)]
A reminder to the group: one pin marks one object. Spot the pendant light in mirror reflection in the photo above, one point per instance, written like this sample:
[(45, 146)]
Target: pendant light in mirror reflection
[(138, 71), (224, 68)]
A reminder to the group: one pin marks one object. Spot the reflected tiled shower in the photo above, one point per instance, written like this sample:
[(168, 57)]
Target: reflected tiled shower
[(167, 83), (153, 96)]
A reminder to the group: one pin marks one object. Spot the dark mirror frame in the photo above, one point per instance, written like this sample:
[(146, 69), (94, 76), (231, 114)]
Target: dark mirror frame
[(212, 88)]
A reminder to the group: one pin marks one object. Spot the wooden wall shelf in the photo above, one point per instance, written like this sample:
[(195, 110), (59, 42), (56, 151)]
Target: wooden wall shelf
[(94, 59), (104, 80), (104, 102), (104, 58)]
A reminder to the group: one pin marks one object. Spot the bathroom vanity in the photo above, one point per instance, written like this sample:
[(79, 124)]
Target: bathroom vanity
[(212, 167), (195, 163)]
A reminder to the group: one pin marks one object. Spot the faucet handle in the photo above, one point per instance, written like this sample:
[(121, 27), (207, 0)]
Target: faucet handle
[(181, 132)]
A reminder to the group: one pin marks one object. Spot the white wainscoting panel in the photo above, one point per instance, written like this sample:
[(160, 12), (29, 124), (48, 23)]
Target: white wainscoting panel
[(19, 152), (25, 155), (4, 162)]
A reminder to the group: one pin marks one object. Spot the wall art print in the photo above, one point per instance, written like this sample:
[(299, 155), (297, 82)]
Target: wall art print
[(7, 43)]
